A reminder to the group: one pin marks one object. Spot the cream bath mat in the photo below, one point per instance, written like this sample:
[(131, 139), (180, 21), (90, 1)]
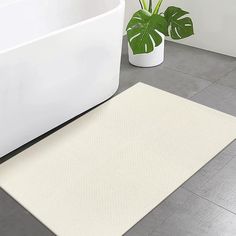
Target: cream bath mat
[(105, 171)]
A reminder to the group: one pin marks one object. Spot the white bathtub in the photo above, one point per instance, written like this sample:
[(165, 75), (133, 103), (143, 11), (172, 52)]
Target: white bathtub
[(58, 58)]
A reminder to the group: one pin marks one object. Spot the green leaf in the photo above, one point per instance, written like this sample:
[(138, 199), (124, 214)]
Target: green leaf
[(180, 27), (142, 31)]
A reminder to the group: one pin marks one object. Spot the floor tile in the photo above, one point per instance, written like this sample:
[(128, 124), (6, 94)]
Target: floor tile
[(185, 214), (207, 65), (169, 80), (144, 227), (218, 97), (208, 172), (16, 221), (231, 149), (218, 187), (229, 80)]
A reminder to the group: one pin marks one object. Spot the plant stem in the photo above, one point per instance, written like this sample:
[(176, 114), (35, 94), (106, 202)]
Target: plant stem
[(141, 4), (144, 4), (150, 6), (157, 7)]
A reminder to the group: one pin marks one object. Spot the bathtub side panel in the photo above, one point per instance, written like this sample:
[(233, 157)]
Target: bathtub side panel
[(48, 82)]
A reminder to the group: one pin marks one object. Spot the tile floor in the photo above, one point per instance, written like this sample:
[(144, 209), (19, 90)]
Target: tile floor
[(205, 205)]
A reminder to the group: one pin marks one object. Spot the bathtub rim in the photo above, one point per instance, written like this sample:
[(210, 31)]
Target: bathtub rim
[(121, 5)]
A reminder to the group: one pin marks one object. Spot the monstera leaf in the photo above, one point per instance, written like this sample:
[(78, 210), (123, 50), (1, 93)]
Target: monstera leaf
[(143, 31), (179, 26)]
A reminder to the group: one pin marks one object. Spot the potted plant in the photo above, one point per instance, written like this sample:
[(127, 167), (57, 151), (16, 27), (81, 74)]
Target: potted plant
[(147, 29)]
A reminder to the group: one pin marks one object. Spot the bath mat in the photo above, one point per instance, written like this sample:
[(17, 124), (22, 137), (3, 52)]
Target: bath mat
[(105, 171)]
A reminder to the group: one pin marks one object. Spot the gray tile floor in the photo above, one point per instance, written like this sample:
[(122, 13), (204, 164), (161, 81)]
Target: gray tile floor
[(206, 203)]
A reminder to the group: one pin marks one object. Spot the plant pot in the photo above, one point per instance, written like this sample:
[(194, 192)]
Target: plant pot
[(154, 58)]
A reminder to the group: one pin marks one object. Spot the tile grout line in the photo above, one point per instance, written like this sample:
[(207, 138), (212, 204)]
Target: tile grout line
[(186, 73), (200, 91), (234, 213), (213, 83), (194, 76), (226, 74), (218, 171), (199, 76)]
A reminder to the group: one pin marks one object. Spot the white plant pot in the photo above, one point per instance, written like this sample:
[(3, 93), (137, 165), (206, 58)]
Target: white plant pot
[(154, 58)]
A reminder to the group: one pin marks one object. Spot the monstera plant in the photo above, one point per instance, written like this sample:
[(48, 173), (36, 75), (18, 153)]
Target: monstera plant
[(147, 27)]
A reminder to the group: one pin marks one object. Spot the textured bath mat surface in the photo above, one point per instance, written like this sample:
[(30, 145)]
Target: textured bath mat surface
[(105, 171)]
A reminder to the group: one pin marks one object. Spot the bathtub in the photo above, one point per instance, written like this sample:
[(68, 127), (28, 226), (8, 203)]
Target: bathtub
[(58, 58)]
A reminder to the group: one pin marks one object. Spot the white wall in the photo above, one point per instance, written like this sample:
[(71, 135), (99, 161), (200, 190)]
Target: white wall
[(214, 23)]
